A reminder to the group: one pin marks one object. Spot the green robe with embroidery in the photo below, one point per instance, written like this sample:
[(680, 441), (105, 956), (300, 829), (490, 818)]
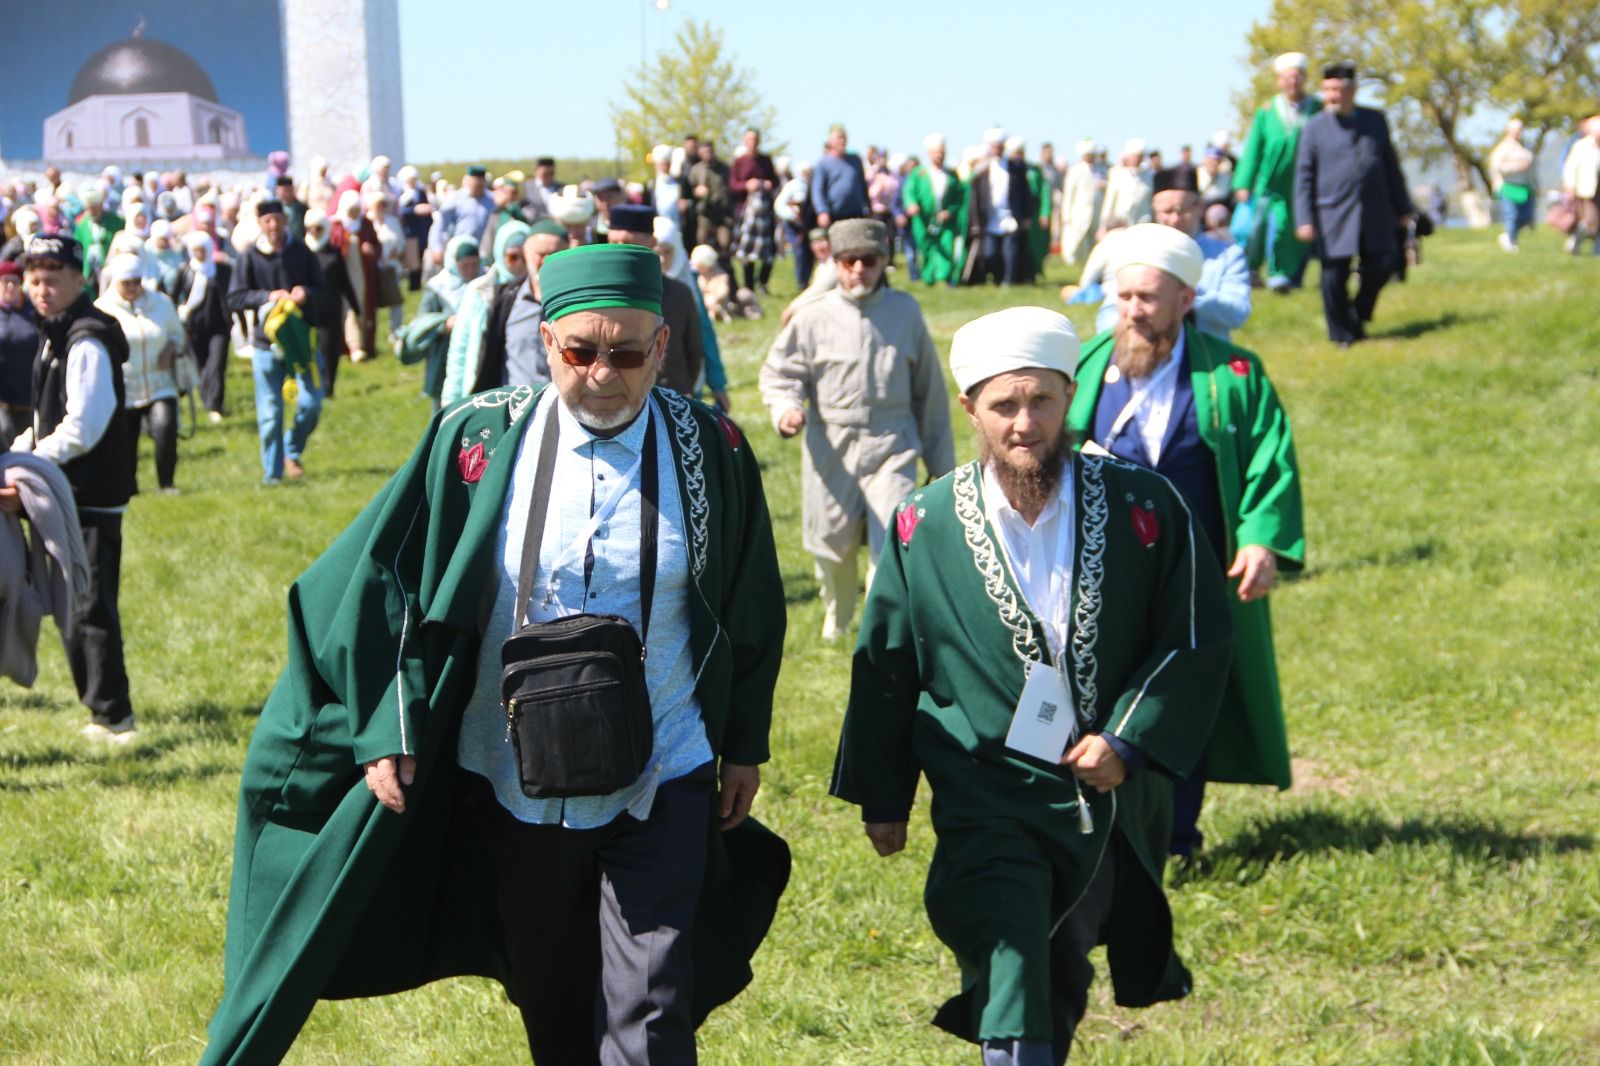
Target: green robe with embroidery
[(939, 668), (1039, 232), (937, 251), (335, 896), (1266, 168), (1258, 478)]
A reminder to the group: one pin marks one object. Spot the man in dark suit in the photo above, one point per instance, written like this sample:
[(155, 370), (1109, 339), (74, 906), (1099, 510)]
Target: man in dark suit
[(1351, 200), (1000, 210)]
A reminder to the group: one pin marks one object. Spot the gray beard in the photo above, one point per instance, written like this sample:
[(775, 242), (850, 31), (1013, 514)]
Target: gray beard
[(1029, 488)]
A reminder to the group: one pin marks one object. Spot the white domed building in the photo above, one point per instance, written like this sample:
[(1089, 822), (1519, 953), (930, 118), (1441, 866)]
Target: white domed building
[(141, 99)]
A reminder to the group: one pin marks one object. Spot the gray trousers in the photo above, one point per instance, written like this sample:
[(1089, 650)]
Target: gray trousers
[(598, 925), (1071, 974)]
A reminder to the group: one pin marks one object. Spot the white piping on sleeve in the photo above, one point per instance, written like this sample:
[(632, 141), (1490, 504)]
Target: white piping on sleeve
[(405, 630), (1129, 712)]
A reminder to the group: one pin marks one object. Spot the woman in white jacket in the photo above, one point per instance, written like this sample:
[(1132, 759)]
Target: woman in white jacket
[(156, 341)]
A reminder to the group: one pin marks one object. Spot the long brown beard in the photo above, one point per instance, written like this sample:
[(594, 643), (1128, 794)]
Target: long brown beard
[(1028, 488), (1139, 356)]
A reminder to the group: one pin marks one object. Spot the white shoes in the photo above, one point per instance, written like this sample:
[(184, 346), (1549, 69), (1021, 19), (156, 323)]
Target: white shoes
[(120, 733)]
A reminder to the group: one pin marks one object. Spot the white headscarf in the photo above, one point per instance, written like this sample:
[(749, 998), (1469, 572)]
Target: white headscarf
[(668, 234)]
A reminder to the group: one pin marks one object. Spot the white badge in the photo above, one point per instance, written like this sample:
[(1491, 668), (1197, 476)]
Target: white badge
[(1043, 723)]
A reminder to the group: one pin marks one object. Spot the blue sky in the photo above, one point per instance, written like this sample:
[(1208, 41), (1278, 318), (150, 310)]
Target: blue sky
[(893, 70)]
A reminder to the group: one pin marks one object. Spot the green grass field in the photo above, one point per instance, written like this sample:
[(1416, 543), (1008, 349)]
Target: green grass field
[(1429, 891)]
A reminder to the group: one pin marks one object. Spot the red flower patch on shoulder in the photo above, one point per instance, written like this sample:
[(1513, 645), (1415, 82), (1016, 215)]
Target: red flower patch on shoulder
[(1145, 525), (1239, 365), (730, 430), (472, 463), (905, 523)]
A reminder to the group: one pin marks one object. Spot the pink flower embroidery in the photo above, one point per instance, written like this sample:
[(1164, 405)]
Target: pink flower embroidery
[(1145, 525), (1239, 366), (905, 523), (731, 431), (472, 463)]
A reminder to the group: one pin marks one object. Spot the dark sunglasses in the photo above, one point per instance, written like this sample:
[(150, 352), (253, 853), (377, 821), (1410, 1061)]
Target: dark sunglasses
[(619, 358), (868, 261)]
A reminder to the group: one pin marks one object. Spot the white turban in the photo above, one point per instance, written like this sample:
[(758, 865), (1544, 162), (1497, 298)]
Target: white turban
[(661, 153), (896, 161), (703, 256), (1222, 139), (572, 206), (1134, 146), (1154, 245), (1014, 145), (1290, 61), (1083, 148), (1018, 338), (932, 141), (124, 267), (994, 136)]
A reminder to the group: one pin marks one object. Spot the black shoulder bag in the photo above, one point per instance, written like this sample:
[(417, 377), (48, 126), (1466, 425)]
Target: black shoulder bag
[(577, 709)]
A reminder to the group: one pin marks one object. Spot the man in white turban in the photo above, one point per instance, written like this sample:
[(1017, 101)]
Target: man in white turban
[(1044, 644), (1001, 211), (935, 200), (1080, 202), (1159, 392), (1264, 176), (1127, 189)]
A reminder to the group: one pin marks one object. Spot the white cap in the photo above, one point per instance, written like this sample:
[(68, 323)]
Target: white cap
[(896, 161), (1018, 338), (703, 256), (1014, 145), (995, 135), (124, 267), (1154, 245), (1290, 61), (1134, 146), (661, 153), (572, 206), (1084, 147), (1222, 139), (932, 141)]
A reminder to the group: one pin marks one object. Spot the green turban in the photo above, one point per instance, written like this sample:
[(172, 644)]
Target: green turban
[(600, 275), (548, 227)]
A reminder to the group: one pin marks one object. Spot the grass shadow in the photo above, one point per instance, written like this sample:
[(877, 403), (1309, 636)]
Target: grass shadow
[(1248, 856), (1424, 551), (1418, 327)]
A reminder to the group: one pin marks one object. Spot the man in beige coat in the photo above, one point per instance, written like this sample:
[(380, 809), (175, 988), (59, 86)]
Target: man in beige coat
[(856, 369)]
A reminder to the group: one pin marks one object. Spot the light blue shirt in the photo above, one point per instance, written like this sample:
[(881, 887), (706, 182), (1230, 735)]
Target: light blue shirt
[(588, 464), (1221, 299)]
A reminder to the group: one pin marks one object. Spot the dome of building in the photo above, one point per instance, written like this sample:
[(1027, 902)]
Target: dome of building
[(140, 65)]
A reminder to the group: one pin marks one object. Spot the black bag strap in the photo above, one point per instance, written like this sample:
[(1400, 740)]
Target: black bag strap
[(539, 510)]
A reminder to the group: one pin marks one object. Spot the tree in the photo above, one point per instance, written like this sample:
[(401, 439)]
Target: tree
[(694, 86), (1445, 68)]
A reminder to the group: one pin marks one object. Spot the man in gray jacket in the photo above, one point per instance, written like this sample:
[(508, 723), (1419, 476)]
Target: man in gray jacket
[(1350, 198)]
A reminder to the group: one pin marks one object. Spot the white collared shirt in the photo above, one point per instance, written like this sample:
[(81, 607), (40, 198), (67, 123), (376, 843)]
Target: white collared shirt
[(1040, 555), (1150, 408), (999, 197)]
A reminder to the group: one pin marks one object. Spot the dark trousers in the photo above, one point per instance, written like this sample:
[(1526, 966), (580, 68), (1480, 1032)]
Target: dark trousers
[(13, 420), (330, 346), (1188, 796), (94, 649), (1004, 258), (598, 924), (160, 421), (1346, 320), (751, 276), (804, 261), (212, 355)]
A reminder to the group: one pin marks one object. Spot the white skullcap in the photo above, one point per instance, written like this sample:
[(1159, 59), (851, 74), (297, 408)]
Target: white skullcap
[(1084, 147), (932, 141), (1290, 61), (781, 164), (1018, 338), (572, 206), (201, 239), (896, 161), (1221, 139), (407, 172), (634, 188), (124, 267), (132, 194), (661, 153), (1013, 145), (703, 256), (994, 136), (1134, 146), (1154, 245), (160, 228)]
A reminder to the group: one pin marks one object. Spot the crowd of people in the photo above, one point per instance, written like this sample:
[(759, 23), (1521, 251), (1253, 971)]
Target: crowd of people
[(1067, 638)]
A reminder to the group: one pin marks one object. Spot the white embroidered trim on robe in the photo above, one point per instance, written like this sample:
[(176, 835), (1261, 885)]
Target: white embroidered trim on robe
[(1091, 574), (1023, 639), (694, 474)]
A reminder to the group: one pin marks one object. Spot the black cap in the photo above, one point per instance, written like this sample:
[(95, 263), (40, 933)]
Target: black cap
[(57, 249), (269, 207), (284, 179), (545, 161), (1345, 69), (635, 218), (1176, 179), (605, 185)]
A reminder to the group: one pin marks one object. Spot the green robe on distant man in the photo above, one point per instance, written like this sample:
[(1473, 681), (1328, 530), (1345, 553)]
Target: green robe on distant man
[(1039, 232), (945, 644), (1266, 168), (936, 241)]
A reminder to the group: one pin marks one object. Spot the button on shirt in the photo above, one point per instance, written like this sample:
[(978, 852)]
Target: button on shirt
[(1040, 555), (587, 468), (1149, 410)]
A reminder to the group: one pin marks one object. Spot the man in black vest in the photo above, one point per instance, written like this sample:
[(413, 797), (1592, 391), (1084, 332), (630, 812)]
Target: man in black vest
[(78, 424)]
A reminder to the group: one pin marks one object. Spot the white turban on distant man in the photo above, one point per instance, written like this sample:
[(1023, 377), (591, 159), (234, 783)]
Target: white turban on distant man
[(1018, 338), (932, 141), (1134, 146), (996, 135), (1153, 245), (1014, 145), (1290, 61)]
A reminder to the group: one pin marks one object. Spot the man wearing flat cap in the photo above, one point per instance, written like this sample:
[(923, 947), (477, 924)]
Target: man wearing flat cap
[(856, 370), (1161, 393), (389, 830), (1042, 623), (1264, 176), (465, 213), (1350, 198)]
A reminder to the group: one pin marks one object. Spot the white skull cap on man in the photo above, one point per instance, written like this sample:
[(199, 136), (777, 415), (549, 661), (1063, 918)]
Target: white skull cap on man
[(932, 141), (996, 135), (1014, 145), (1018, 338), (1290, 61), (1154, 245)]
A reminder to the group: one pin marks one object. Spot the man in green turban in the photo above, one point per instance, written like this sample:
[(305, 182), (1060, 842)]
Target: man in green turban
[(386, 837)]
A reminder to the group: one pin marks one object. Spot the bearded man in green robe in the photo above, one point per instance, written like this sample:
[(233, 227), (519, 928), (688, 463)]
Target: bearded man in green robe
[(935, 201), (1265, 174), (1158, 392), (1045, 644), (387, 833)]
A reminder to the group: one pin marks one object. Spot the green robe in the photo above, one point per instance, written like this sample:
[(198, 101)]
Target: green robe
[(1243, 424), (936, 242), (1266, 168), (335, 896), (1039, 232), (939, 668)]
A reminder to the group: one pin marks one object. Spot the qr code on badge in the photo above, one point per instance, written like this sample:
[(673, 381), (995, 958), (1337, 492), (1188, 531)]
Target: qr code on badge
[(1047, 712)]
